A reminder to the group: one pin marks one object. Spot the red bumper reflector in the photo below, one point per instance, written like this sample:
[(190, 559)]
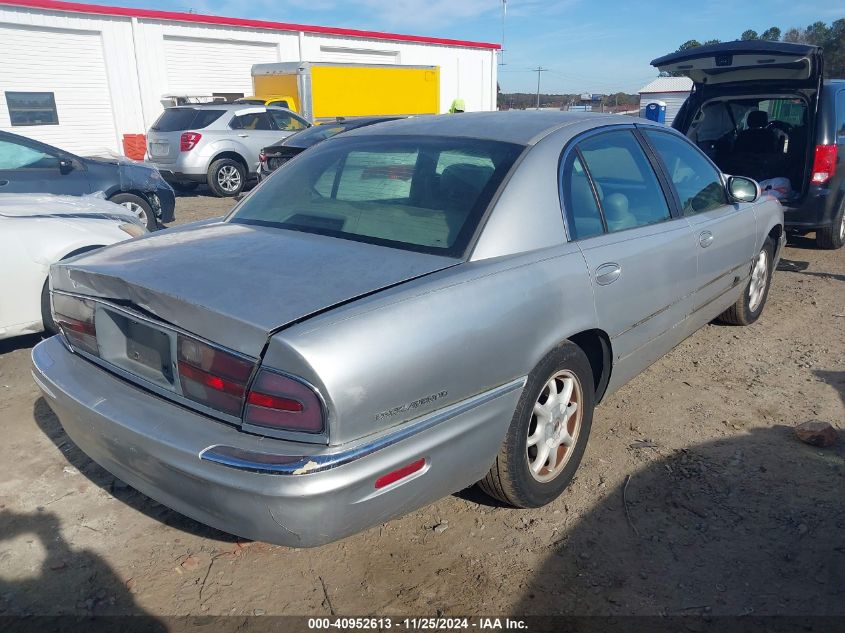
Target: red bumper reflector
[(396, 475)]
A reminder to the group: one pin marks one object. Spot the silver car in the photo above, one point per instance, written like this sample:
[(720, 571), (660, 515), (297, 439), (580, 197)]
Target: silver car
[(216, 143), (398, 313)]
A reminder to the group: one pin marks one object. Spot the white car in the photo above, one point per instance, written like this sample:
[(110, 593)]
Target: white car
[(37, 230)]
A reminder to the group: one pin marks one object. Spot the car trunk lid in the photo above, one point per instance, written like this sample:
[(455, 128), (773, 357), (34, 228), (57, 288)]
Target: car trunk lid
[(234, 284), (790, 65)]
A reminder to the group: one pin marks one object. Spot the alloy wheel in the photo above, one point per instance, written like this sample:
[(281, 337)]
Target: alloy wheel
[(759, 279), (137, 210), (555, 426), (229, 178)]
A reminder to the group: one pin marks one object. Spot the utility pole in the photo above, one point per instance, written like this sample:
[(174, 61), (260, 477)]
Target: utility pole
[(504, 15), (539, 70)]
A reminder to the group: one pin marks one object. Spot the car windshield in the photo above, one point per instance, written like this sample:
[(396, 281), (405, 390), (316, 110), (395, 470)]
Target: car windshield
[(423, 194), (180, 119)]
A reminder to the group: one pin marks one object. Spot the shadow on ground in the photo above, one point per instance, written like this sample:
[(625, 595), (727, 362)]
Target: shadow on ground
[(67, 581), (19, 342), (50, 426), (749, 526)]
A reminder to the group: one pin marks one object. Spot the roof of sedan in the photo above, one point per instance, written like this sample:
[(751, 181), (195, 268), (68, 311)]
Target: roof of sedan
[(524, 127)]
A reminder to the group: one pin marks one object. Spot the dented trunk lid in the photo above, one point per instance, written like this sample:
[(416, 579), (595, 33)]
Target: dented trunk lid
[(235, 284)]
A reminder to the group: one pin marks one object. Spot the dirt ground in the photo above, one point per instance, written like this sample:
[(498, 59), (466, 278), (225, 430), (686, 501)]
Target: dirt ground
[(694, 497)]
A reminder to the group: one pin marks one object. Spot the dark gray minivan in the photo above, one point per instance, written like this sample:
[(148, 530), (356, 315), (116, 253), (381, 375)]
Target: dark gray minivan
[(762, 109)]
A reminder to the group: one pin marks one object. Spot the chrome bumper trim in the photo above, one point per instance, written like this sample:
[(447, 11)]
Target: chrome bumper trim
[(268, 463)]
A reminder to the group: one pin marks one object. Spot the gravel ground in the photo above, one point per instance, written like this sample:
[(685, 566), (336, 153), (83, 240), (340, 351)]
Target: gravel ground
[(694, 497)]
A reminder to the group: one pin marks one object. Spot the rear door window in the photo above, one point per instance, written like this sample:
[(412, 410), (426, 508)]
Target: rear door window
[(696, 181), (181, 119), (628, 189), (583, 215)]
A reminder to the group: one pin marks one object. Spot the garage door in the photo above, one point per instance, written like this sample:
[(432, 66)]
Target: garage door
[(206, 66), (69, 66)]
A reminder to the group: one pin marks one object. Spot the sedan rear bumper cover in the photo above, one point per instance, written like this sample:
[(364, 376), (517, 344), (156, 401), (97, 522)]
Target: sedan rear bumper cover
[(272, 492)]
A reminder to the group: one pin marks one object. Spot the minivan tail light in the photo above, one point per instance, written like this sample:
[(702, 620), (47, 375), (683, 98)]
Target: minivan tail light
[(212, 377), (75, 318), (279, 402), (824, 164), (188, 141)]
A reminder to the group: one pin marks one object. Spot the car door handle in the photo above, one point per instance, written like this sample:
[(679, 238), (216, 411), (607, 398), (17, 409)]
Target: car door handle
[(705, 239), (243, 135), (3, 183), (608, 273)]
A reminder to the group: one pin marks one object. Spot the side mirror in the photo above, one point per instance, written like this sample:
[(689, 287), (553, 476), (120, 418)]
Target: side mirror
[(742, 189), (65, 166)]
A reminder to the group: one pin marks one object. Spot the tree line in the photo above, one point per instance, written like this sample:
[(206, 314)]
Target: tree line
[(831, 38)]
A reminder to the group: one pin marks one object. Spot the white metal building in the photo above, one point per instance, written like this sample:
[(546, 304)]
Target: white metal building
[(673, 91), (82, 76)]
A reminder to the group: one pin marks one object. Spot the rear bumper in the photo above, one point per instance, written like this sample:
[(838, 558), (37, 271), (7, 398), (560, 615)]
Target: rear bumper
[(273, 491), (817, 211)]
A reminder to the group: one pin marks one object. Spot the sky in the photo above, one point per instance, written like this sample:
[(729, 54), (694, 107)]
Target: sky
[(601, 46)]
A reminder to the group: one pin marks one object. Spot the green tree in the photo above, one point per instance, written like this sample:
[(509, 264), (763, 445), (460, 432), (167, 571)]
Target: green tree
[(793, 35), (772, 33), (750, 34)]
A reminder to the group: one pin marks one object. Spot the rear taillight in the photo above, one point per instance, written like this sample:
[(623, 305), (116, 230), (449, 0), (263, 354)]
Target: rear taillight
[(211, 376), (279, 402), (75, 319), (824, 164), (262, 157), (188, 141)]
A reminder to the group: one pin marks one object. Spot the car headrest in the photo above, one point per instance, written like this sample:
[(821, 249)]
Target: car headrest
[(757, 119), (463, 182), (615, 207)]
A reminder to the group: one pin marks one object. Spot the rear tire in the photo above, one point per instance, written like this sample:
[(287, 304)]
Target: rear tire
[(139, 207), (833, 237), (226, 177), (750, 304), (548, 432)]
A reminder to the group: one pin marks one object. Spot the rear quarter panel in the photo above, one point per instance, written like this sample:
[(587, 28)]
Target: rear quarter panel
[(399, 354)]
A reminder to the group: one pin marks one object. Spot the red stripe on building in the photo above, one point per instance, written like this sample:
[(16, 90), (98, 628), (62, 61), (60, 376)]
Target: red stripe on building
[(177, 16)]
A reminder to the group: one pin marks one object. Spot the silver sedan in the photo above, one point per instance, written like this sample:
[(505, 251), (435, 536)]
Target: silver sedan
[(398, 313)]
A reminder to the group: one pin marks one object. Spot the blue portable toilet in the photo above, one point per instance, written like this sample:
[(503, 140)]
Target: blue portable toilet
[(656, 111)]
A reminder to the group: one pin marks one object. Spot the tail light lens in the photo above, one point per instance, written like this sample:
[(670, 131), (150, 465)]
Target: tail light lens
[(75, 318), (211, 376), (278, 402), (824, 164), (262, 157), (188, 141)]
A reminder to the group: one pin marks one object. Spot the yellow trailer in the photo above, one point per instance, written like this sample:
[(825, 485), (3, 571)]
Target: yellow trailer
[(323, 90)]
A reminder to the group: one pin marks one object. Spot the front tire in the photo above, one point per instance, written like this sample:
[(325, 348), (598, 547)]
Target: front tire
[(750, 304), (139, 207), (548, 433), (833, 237), (226, 177)]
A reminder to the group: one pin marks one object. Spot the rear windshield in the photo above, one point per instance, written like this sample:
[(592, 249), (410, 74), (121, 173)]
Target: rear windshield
[(179, 119), (315, 134), (424, 194)]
